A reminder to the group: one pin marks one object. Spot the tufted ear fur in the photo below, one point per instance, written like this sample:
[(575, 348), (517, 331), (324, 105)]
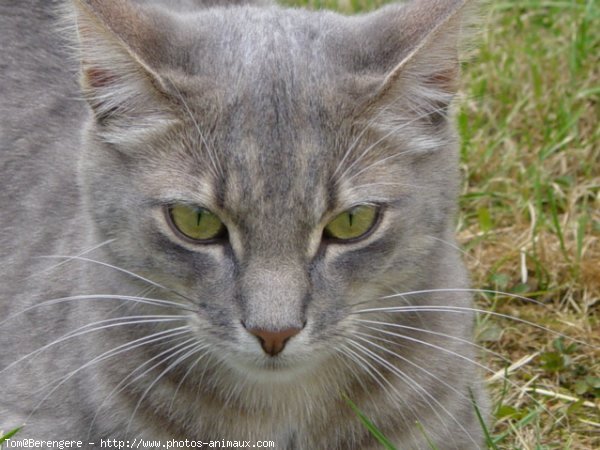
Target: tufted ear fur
[(410, 63), (120, 49)]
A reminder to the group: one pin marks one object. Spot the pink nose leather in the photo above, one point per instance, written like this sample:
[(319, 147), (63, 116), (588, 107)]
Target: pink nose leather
[(273, 342)]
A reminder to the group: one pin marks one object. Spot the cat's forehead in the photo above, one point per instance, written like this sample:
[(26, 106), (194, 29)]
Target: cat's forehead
[(277, 96), (274, 111), (277, 174), (248, 38)]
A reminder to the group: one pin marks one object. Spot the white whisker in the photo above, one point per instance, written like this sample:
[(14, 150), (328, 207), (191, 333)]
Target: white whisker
[(127, 298), (429, 344), (367, 185), (369, 369), (350, 148), (365, 337), (415, 386), (381, 139), (458, 355), (377, 163), (211, 154), (195, 348), (123, 384), (119, 269), (108, 354), (457, 248), (471, 290), (436, 333), (187, 372), (55, 266), (360, 362), (84, 330), (341, 353), (467, 310)]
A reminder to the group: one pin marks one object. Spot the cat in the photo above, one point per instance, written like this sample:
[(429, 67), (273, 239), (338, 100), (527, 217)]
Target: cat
[(233, 222)]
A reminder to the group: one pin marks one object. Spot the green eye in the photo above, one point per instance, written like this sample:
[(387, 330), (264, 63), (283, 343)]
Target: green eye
[(196, 223), (352, 224)]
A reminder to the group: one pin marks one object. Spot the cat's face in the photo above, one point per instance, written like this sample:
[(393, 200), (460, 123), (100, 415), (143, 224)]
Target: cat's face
[(274, 126)]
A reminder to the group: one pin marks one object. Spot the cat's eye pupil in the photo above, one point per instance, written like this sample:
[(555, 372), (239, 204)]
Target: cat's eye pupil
[(195, 223), (352, 224)]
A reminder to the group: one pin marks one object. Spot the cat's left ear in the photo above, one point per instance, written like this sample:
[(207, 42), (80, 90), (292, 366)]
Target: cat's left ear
[(408, 58), (120, 48)]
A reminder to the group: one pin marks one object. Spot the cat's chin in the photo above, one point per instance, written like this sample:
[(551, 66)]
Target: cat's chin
[(274, 370)]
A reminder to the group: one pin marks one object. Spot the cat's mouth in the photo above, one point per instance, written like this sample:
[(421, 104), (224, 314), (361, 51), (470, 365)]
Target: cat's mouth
[(281, 368)]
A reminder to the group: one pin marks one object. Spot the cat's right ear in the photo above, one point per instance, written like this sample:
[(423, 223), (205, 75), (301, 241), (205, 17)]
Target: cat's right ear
[(404, 61), (119, 46)]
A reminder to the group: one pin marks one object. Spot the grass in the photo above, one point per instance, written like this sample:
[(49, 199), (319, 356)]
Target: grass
[(530, 220), (7, 436), (386, 444), (531, 213)]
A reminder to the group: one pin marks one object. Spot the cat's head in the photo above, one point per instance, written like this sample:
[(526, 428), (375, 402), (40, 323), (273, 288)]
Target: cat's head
[(275, 167)]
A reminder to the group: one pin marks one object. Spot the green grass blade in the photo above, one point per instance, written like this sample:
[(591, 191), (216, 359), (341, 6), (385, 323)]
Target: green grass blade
[(431, 444), (488, 438), (556, 222), (8, 435), (369, 425)]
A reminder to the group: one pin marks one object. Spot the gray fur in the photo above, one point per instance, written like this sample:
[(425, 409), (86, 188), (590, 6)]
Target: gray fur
[(277, 120)]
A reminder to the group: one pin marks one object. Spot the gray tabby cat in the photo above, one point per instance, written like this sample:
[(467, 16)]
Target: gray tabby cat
[(223, 223)]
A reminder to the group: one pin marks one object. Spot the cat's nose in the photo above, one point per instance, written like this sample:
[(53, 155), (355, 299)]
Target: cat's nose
[(273, 342)]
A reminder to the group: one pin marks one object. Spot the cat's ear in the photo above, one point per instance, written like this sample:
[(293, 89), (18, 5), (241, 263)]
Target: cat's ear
[(409, 61), (119, 44)]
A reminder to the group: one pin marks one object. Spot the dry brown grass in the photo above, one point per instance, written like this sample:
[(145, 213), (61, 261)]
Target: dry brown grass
[(531, 213)]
